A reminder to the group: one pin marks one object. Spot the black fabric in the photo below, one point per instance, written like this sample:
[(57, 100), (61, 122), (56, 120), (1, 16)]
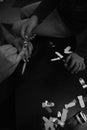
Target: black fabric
[(1, 36), (7, 100), (73, 14), (7, 113), (45, 80)]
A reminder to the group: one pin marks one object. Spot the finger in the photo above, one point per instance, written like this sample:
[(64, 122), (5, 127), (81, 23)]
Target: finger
[(11, 51), (29, 30), (26, 54), (7, 46), (12, 58), (30, 48), (75, 68), (80, 68), (12, 69), (67, 59), (19, 44), (23, 31), (72, 64), (84, 66), (21, 54)]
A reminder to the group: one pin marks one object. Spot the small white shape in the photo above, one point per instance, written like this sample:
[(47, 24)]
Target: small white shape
[(53, 119), (83, 116), (81, 80), (58, 114), (44, 104), (84, 86), (67, 50), (71, 104), (58, 54), (48, 124), (81, 101), (78, 119), (55, 59), (64, 115), (52, 44), (48, 104), (61, 123)]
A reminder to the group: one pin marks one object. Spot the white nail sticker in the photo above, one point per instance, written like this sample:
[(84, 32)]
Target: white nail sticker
[(81, 101)]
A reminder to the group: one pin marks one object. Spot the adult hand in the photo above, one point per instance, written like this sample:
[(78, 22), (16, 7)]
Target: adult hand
[(75, 63), (29, 26), (9, 60), (16, 42), (26, 26), (17, 26), (19, 43)]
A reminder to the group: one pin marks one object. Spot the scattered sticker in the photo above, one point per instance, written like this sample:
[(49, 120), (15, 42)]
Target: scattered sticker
[(64, 115), (67, 50), (71, 104), (81, 101), (48, 124)]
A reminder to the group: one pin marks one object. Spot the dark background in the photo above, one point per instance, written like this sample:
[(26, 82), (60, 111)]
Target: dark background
[(42, 80)]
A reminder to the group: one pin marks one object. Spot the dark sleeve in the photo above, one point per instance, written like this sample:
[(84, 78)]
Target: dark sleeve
[(81, 48), (1, 35), (45, 8), (76, 20)]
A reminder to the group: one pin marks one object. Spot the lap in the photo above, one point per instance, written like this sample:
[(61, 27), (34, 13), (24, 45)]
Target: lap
[(48, 81)]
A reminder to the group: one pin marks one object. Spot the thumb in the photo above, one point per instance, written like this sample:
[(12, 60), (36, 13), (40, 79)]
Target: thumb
[(33, 25), (67, 59), (23, 30), (20, 55), (29, 29)]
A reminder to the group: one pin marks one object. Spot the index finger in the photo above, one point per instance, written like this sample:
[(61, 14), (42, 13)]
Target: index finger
[(23, 30), (21, 54), (67, 59)]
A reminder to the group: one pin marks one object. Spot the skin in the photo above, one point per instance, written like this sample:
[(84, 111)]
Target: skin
[(28, 26), (9, 60), (77, 63)]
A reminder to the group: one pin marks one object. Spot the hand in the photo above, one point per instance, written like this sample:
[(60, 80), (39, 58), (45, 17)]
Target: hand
[(19, 43), (26, 26), (9, 60), (76, 63), (16, 42), (29, 26), (17, 26)]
